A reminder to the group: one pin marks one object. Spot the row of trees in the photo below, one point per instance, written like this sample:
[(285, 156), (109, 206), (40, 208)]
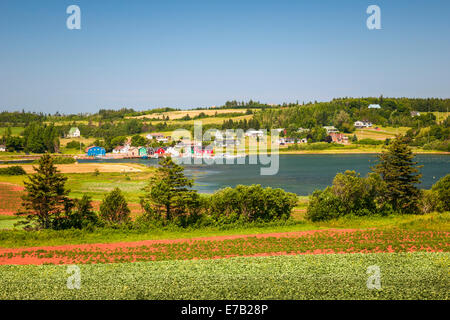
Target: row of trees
[(168, 199), (36, 137), (390, 188), (343, 112)]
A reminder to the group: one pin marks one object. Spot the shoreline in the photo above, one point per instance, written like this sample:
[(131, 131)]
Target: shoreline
[(19, 158)]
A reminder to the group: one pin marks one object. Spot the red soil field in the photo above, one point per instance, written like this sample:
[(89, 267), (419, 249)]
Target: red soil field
[(10, 198), (306, 242)]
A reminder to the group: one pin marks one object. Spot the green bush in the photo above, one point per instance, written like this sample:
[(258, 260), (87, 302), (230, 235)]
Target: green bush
[(74, 145), (250, 203), (12, 171), (350, 194), (315, 146), (114, 208), (369, 142), (60, 160), (442, 190), (429, 201)]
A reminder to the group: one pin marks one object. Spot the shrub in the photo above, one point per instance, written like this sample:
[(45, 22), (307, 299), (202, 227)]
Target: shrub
[(350, 194), (60, 160), (74, 145), (429, 201), (250, 203), (12, 171), (114, 208), (323, 205), (369, 141), (442, 190)]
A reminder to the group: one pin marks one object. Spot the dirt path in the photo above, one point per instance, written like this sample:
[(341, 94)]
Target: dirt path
[(87, 167), (122, 245)]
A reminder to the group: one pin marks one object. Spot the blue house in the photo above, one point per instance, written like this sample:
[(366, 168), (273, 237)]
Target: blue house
[(96, 151)]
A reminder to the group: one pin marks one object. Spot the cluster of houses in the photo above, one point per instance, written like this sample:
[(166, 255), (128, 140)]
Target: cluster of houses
[(127, 151)]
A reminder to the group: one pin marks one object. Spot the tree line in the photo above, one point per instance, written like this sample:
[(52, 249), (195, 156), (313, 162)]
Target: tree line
[(390, 188)]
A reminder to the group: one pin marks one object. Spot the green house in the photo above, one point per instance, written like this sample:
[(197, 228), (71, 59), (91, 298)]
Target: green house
[(74, 133), (142, 151)]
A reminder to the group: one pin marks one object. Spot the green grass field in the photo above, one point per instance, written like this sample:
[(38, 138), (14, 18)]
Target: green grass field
[(402, 276)]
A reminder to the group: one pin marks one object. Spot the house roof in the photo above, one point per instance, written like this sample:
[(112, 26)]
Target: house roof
[(374, 106), (73, 129)]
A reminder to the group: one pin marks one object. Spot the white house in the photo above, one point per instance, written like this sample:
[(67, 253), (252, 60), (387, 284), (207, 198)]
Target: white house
[(254, 133), (2, 148), (331, 129), (151, 136), (162, 139), (374, 106), (362, 124), (121, 149), (74, 133)]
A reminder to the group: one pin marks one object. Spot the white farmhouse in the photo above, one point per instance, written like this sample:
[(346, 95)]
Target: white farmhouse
[(74, 133), (254, 133)]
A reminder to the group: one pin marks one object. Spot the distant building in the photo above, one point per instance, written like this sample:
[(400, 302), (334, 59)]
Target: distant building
[(160, 151), (338, 138), (121, 149), (415, 113), (96, 151), (254, 133), (374, 106), (331, 129), (74, 133), (362, 124), (150, 151), (151, 136), (142, 151), (304, 140), (163, 139), (301, 130), (2, 148), (133, 152)]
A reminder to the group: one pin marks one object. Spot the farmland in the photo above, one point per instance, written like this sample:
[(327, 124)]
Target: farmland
[(404, 276)]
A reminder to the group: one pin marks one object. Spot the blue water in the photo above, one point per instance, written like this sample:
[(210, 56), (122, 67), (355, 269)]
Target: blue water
[(301, 174)]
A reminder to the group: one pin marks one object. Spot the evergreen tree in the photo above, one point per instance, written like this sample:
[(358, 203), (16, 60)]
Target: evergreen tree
[(45, 198), (114, 208), (400, 172), (168, 191)]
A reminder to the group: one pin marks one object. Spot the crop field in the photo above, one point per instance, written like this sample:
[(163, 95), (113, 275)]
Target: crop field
[(307, 242), (10, 198), (175, 115), (382, 134), (416, 275)]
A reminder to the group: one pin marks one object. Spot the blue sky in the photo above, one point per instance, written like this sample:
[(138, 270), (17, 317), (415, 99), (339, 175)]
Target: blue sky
[(187, 53)]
